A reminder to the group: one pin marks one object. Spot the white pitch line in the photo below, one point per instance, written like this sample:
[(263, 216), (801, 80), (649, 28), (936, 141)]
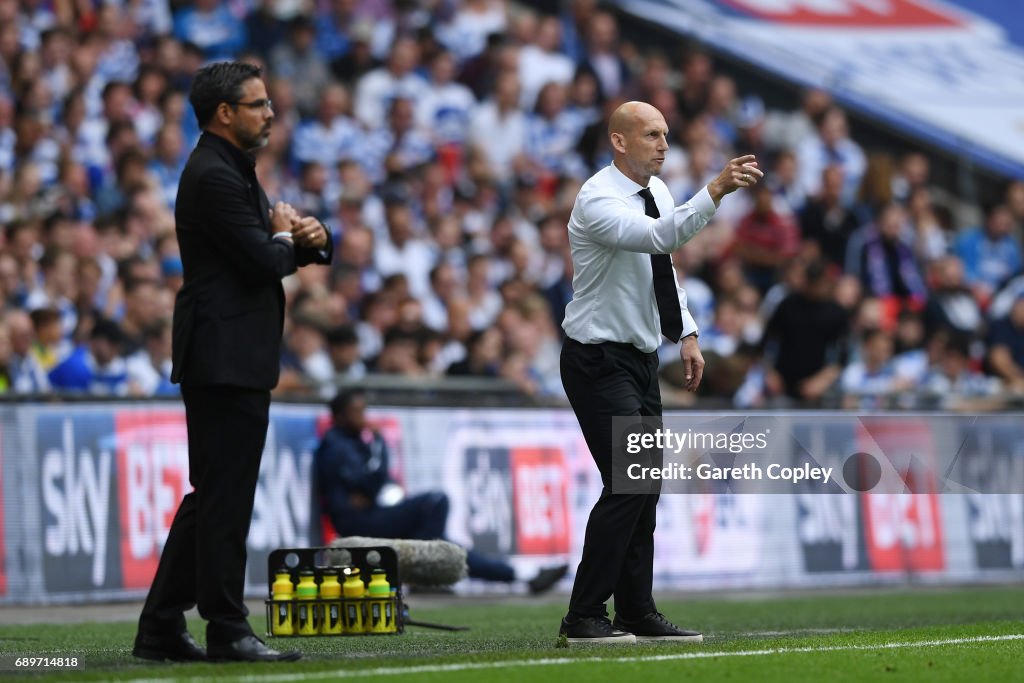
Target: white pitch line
[(560, 661)]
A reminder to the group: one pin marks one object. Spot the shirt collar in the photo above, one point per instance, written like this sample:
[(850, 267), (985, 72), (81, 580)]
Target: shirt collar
[(623, 184), (241, 157)]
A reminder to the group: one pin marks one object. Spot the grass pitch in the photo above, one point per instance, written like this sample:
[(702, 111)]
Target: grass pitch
[(867, 635)]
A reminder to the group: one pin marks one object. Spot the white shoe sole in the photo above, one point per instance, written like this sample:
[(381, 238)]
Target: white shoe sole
[(627, 639), (670, 639)]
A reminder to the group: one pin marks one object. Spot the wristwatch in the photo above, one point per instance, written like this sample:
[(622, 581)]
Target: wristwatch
[(693, 334)]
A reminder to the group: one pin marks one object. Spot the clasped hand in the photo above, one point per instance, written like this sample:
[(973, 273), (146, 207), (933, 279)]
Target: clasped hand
[(306, 232)]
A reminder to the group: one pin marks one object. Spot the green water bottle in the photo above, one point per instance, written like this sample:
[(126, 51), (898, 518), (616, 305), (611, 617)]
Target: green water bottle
[(305, 595), (382, 612)]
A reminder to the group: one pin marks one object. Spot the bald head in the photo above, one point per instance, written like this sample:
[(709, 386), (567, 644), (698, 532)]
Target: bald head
[(629, 115), (639, 137)]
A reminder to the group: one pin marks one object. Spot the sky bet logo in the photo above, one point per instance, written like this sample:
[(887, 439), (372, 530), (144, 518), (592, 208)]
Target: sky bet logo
[(76, 476)]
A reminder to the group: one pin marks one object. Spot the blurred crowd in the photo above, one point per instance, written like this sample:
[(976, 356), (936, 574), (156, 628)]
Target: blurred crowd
[(443, 142)]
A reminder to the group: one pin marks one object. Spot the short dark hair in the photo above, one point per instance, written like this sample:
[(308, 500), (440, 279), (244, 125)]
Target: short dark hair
[(216, 83), (343, 335), (344, 399), (108, 330)]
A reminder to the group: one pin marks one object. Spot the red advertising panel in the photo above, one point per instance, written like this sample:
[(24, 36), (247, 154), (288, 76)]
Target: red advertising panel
[(541, 501), (849, 13), (903, 531), (152, 457)]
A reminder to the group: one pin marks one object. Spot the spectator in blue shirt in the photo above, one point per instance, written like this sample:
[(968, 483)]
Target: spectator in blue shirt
[(98, 368), (212, 26), (990, 254)]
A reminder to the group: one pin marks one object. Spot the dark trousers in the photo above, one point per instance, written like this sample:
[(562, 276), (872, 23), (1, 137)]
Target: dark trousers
[(203, 561), (603, 381), (423, 517)]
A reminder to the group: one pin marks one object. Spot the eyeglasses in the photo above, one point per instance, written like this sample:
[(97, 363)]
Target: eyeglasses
[(255, 104)]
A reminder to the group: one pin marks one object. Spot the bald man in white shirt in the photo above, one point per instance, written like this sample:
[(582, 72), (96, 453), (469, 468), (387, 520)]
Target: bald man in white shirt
[(623, 227)]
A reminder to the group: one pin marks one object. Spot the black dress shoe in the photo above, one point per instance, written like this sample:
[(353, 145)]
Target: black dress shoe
[(248, 649), (180, 647), (593, 630), (654, 626)]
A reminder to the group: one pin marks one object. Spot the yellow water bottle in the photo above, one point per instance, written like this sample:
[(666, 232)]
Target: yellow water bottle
[(382, 614), (282, 591), (330, 596), (354, 605), (305, 595)]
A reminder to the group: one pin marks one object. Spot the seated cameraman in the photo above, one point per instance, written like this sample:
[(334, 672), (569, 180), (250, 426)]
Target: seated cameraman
[(351, 469)]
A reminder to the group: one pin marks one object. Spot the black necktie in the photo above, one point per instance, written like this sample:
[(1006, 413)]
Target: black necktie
[(664, 281)]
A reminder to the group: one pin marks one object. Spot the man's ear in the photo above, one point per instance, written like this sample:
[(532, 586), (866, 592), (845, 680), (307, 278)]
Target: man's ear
[(618, 142), (223, 113)]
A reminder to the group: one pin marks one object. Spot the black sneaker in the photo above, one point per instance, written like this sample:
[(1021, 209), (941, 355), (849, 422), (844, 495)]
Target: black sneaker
[(655, 626), (596, 630), (546, 578)]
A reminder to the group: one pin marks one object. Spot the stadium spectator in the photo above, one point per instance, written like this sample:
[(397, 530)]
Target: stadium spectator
[(826, 220), (788, 130), (58, 288), (265, 27), (806, 340), (343, 351), (444, 284), (552, 132), (297, 60), (466, 33), (1006, 347), (868, 383), (991, 254), (397, 79), (484, 351), (913, 174), (953, 384), (1014, 199), (540, 62), (497, 128), (930, 239), (331, 135), (213, 27), (831, 145), (401, 251), (886, 263), (305, 363), (445, 108), (397, 147), (951, 306), (149, 369), (24, 372), (765, 239), (601, 55), (96, 368)]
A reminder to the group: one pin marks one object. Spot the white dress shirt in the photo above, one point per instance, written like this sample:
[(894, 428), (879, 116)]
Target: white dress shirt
[(611, 238)]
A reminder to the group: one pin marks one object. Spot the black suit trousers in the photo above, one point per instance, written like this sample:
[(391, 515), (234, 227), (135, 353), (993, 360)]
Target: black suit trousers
[(603, 381), (203, 560)]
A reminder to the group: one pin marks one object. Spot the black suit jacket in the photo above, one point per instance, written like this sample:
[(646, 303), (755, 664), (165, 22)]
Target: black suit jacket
[(229, 314)]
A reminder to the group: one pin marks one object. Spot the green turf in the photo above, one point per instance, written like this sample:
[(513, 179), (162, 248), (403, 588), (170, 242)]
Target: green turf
[(847, 637)]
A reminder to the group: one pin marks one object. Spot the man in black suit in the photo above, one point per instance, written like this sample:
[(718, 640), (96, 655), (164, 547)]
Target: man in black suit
[(228, 320)]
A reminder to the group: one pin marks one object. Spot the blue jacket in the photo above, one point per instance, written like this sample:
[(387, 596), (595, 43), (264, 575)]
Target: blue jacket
[(346, 464)]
